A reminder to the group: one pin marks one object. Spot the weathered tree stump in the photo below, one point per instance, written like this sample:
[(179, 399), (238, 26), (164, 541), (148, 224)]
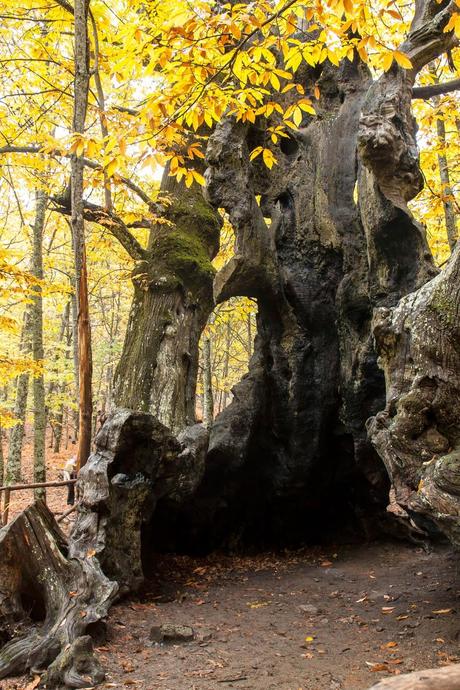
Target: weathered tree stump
[(47, 601), (447, 678), (137, 460)]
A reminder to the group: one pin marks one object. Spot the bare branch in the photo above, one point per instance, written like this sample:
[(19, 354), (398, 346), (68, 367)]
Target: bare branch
[(65, 5), (153, 206), (110, 221), (426, 92), (123, 109)]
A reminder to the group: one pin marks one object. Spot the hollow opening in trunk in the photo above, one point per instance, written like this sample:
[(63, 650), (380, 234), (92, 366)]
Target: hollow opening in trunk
[(226, 346), (34, 606)]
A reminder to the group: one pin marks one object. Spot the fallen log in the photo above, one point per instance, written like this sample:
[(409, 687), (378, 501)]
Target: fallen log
[(48, 602), (447, 678)]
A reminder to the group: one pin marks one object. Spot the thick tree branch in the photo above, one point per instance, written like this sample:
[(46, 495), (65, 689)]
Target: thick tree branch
[(426, 92), (427, 39), (110, 221), (19, 149), (387, 134), (230, 186)]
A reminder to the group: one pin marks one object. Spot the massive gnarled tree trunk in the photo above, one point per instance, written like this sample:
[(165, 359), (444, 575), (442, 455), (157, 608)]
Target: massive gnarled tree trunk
[(331, 241), (334, 259)]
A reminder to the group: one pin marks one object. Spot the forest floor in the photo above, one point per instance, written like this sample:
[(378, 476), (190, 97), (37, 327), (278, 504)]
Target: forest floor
[(316, 619), (313, 619)]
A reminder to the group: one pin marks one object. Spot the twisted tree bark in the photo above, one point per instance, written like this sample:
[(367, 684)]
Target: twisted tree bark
[(417, 433), (47, 602), (331, 241)]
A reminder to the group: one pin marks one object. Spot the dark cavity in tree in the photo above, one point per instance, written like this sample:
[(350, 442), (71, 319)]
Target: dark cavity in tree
[(289, 146)]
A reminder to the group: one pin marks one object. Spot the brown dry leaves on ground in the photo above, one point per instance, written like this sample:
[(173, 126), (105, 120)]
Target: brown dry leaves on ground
[(309, 620)]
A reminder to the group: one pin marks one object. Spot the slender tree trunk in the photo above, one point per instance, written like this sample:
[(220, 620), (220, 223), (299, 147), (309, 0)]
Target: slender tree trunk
[(85, 369), (66, 426), (250, 343), (37, 346), (66, 333), (16, 439), (76, 366), (81, 87), (226, 363), (57, 432), (13, 468), (55, 418), (208, 400), (447, 191)]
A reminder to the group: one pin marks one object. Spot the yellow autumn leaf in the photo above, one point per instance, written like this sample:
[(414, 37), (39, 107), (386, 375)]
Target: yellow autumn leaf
[(387, 61), (268, 158), (111, 167), (255, 152), (91, 148), (402, 59), (198, 178), (297, 116)]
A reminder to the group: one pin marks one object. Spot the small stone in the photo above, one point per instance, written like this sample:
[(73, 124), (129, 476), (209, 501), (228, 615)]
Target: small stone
[(169, 632), (204, 637), (310, 609)]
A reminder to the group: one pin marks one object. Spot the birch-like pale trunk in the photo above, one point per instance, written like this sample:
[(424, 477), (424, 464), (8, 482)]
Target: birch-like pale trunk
[(13, 468)]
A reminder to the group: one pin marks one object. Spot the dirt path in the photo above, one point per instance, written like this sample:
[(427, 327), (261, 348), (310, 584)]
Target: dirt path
[(371, 611), (310, 620)]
